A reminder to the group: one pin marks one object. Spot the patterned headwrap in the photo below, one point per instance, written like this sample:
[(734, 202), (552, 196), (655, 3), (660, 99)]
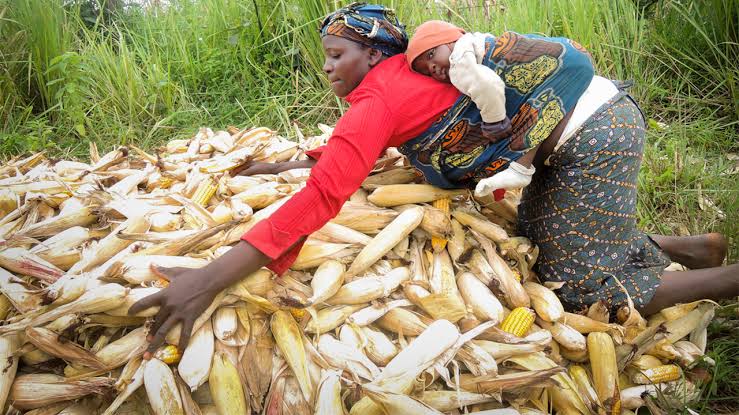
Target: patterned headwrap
[(372, 25)]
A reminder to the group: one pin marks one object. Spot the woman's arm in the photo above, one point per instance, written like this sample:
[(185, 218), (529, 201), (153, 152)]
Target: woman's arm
[(359, 138), (259, 167)]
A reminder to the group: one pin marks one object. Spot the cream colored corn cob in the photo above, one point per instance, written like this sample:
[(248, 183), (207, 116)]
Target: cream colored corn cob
[(161, 389)]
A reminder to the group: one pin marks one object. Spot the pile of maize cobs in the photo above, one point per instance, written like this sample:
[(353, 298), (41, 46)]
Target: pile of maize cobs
[(412, 300)]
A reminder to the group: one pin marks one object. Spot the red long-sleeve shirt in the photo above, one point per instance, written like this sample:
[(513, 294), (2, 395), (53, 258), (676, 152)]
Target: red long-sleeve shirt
[(390, 106)]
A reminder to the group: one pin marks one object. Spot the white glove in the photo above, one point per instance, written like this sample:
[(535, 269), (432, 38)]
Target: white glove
[(515, 176)]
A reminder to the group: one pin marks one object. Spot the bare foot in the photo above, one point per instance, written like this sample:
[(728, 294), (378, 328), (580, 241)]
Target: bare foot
[(695, 252)]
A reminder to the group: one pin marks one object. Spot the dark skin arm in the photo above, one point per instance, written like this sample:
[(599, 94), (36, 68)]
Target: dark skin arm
[(191, 291), (259, 167)]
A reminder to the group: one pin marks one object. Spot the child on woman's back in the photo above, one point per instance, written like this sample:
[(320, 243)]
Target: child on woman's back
[(448, 54)]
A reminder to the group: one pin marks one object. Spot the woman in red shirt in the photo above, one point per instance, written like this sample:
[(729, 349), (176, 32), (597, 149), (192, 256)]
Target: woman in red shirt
[(390, 104)]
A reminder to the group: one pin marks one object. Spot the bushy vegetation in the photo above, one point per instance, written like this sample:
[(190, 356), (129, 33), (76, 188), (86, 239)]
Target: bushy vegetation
[(75, 71)]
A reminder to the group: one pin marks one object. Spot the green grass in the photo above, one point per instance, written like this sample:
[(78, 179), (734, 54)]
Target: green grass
[(71, 73)]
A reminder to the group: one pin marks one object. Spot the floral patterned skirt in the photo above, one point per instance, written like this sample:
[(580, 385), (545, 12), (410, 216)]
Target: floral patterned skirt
[(580, 210)]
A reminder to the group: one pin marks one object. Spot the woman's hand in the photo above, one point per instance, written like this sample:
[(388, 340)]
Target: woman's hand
[(183, 301), (191, 291)]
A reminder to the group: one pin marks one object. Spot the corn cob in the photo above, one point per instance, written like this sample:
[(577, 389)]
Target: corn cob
[(21, 298), (659, 374), (47, 341), (688, 353), (519, 321), (168, 354), (225, 387), (699, 335), (343, 356), (599, 311), (161, 388), (513, 291), (381, 244), (359, 291), (368, 315), (477, 360), (403, 194), (587, 325), (364, 218), (257, 361), (421, 353), (328, 399), (132, 384), (103, 298), (335, 233), (396, 403), (544, 301), (110, 245), (438, 242), (314, 253), (392, 176), (477, 296), (447, 401), (117, 353), (456, 243), (38, 390), (195, 364), (605, 370), (21, 261), (225, 323), (134, 295), (287, 336), (502, 351), (679, 310), (326, 281), (379, 348), (509, 381), (352, 336), (5, 305), (445, 301), (645, 362), (400, 320), (580, 376), (8, 346), (496, 233), (568, 337)]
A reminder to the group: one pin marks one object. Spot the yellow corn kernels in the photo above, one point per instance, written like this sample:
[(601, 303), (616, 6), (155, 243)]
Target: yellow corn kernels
[(206, 189), (662, 373), (168, 354), (519, 321)]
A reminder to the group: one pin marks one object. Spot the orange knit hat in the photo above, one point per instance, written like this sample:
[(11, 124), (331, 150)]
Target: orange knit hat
[(429, 35)]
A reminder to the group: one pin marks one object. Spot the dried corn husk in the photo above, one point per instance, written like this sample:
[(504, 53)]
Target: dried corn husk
[(328, 399), (47, 341), (41, 389), (288, 339)]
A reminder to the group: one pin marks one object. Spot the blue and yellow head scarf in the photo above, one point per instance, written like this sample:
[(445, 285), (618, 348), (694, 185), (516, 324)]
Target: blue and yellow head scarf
[(369, 24)]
